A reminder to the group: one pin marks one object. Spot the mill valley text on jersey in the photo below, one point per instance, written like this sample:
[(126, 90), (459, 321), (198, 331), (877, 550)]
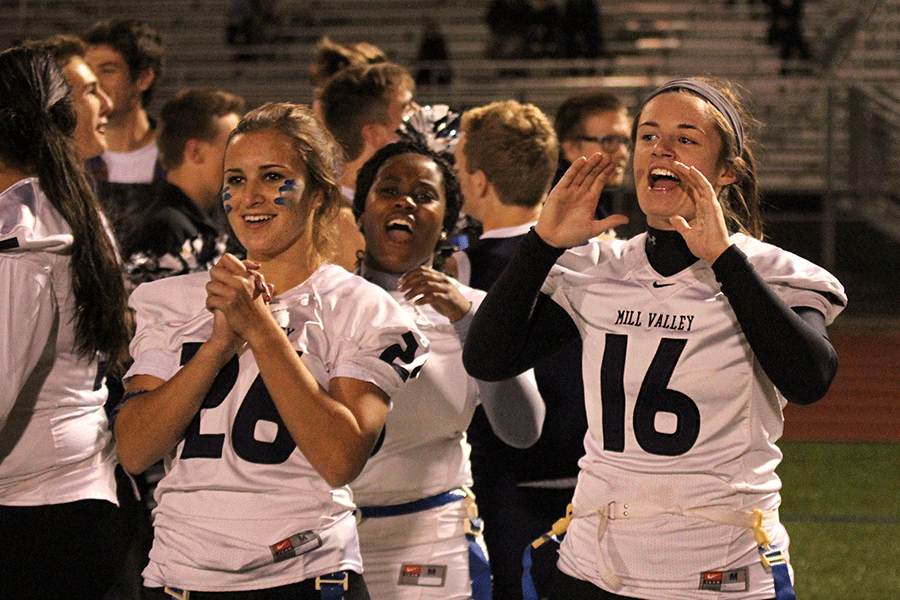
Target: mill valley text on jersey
[(637, 318)]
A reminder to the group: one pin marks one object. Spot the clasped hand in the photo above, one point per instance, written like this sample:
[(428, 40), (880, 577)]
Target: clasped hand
[(238, 297)]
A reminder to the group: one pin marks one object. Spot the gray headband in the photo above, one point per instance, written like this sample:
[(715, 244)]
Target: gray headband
[(714, 97)]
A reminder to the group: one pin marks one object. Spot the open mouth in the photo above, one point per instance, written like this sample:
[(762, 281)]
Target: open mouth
[(399, 230), (663, 179), (257, 218)]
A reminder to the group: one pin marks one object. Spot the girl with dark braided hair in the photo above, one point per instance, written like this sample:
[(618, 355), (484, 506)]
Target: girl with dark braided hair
[(63, 311), (415, 532)]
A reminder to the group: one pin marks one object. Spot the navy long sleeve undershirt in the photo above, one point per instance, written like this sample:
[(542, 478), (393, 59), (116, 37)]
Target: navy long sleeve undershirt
[(516, 324)]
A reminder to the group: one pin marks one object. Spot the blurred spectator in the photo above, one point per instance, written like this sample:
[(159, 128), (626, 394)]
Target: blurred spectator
[(786, 31), (596, 121), (363, 107), (506, 158), (182, 227), (433, 50), (330, 57), (581, 35), (252, 22), (246, 22), (127, 57), (542, 36), (507, 20)]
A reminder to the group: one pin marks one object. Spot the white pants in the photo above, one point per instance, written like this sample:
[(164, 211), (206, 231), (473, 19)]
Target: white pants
[(421, 556)]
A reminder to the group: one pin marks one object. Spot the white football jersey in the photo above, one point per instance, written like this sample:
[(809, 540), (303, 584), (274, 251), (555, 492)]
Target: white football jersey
[(424, 453), (424, 450), (237, 484), (55, 443), (680, 413)]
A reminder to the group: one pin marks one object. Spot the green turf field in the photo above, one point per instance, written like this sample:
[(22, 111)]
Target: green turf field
[(841, 507)]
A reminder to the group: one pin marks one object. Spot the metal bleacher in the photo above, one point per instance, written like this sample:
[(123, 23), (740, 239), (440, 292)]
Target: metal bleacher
[(829, 128)]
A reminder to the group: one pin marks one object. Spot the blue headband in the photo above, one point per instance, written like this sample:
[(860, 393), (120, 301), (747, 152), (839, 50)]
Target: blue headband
[(714, 97)]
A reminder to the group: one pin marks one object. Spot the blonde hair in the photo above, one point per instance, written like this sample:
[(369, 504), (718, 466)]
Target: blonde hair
[(320, 155), (515, 146)]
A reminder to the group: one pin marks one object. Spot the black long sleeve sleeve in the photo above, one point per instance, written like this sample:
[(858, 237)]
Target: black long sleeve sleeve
[(517, 325), (792, 345)]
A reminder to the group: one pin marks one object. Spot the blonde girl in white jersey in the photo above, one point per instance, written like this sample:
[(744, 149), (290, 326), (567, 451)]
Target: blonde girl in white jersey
[(264, 385)]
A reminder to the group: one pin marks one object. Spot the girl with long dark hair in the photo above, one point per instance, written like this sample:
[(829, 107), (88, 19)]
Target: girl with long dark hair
[(64, 327)]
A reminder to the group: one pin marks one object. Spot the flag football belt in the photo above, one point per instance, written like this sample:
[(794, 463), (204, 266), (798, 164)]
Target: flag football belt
[(479, 569), (332, 587), (408, 508), (771, 557)]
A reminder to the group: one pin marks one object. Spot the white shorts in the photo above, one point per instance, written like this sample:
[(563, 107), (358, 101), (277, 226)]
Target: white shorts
[(420, 556)]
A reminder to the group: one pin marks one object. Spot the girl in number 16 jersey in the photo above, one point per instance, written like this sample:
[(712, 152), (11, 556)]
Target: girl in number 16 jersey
[(696, 334)]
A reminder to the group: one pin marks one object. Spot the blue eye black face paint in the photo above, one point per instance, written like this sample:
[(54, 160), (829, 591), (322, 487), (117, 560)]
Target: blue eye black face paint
[(226, 196), (289, 186)]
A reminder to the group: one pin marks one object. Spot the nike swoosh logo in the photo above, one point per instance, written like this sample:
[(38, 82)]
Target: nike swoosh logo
[(657, 284)]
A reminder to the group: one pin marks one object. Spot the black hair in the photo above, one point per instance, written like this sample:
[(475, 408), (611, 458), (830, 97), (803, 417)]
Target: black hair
[(365, 177), (138, 43), (453, 196), (37, 121)]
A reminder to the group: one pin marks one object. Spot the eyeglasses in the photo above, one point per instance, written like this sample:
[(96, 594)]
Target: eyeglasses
[(609, 143)]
